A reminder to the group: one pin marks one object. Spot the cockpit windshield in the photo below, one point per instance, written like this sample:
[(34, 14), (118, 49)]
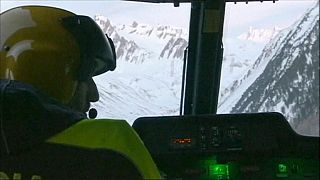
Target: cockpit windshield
[(270, 63)]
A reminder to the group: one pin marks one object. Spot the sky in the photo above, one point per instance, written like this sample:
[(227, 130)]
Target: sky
[(122, 12), (263, 15), (266, 15)]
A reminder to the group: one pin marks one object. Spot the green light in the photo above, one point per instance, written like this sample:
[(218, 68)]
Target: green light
[(219, 171), (282, 168)]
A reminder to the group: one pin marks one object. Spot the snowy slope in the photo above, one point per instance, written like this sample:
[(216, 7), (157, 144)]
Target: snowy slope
[(232, 94), (147, 80), (133, 91), (240, 54), (285, 78)]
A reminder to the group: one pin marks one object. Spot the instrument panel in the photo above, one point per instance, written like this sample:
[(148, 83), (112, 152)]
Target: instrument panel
[(229, 146)]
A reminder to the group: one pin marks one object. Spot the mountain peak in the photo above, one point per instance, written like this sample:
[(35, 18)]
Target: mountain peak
[(134, 24), (259, 35), (136, 41)]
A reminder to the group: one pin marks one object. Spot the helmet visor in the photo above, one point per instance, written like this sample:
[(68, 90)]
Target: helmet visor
[(97, 49)]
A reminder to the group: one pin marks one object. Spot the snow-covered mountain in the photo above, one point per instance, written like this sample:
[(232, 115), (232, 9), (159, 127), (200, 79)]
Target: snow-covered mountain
[(285, 77), (130, 96), (240, 54), (259, 35), (147, 80), (132, 41)]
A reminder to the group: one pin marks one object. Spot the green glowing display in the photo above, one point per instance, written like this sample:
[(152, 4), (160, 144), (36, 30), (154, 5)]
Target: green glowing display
[(215, 170), (219, 171), (282, 168)]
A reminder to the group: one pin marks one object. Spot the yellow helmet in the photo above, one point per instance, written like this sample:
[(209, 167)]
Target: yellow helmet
[(52, 49)]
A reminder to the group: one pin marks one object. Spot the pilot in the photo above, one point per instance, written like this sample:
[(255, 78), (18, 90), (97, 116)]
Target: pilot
[(48, 59)]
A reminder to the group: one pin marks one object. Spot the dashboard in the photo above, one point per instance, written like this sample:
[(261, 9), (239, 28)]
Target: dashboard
[(229, 146)]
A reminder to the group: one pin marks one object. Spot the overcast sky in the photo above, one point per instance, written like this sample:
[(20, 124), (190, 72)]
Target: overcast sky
[(125, 12), (238, 16)]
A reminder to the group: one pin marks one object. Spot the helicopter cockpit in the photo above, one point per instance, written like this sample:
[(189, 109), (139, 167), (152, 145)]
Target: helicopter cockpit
[(215, 89)]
